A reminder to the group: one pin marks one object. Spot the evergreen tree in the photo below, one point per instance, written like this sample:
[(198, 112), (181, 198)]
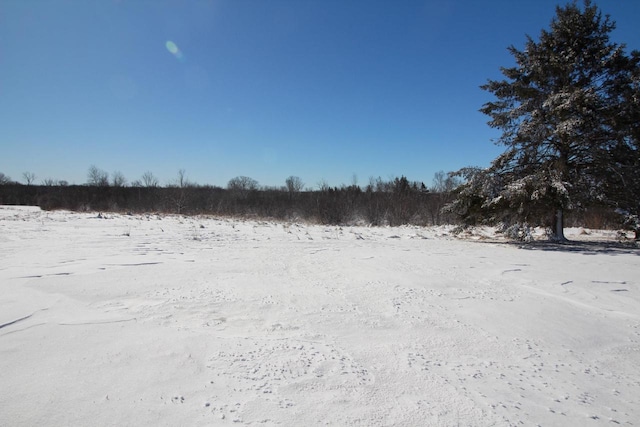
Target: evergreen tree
[(559, 112), (622, 162)]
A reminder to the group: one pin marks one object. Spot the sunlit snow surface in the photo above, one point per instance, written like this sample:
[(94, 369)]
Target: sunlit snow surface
[(171, 320)]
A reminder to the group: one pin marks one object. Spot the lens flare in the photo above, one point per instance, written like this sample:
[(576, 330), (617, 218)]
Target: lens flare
[(174, 50), (172, 47)]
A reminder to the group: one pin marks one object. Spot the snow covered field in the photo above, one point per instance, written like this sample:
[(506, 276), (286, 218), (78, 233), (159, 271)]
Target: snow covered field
[(170, 320)]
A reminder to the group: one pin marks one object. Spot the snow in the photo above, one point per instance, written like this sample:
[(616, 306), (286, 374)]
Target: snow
[(171, 320)]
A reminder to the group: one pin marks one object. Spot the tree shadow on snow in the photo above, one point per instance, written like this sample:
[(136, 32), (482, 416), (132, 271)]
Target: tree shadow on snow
[(583, 247)]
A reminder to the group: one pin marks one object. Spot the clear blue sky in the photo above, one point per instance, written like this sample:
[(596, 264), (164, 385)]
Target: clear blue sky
[(321, 89)]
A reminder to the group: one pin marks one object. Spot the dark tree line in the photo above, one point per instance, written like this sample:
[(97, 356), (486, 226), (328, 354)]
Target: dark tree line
[(382, 202), (393, 202)]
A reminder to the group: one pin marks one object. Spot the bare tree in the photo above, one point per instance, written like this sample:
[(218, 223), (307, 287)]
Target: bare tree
[(29, 177), (323, 185), (118, 179), (181, 191), (49, 182), (242, 185), (182, 179), (443, 186), (294, 185), (149, 180), (444, 182), (97, 177), (4, 179)]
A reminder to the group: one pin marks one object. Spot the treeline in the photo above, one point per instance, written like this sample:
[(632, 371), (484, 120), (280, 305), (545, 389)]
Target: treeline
[(394, 202)]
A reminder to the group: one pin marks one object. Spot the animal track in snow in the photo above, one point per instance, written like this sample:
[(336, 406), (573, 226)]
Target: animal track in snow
[(189, 308), (261, 366)]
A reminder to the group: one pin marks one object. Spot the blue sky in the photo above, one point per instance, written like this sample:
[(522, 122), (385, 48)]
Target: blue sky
[(322, 89)]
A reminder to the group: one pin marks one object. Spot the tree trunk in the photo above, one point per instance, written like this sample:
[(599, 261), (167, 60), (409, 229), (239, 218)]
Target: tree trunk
[(637, 230), (558, 226)]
